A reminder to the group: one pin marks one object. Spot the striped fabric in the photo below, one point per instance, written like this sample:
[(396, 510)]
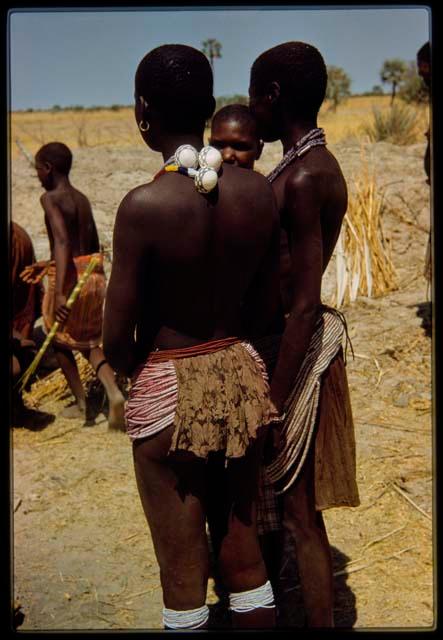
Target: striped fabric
[(302, 403), (153, 399)]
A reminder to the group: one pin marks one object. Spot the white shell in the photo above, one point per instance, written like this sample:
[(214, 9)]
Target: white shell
[(205, 180), (186, 156), (210, 157)]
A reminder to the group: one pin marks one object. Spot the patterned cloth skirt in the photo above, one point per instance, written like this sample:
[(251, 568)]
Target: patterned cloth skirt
[(83, 329), (216, 395)]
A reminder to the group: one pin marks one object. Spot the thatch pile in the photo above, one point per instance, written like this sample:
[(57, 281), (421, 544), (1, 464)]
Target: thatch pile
[(363, 256), (55, 387)]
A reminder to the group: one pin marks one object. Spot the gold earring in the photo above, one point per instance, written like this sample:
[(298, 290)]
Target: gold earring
[(143, 128)]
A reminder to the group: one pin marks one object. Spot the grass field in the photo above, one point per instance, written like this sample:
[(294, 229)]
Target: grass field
[(118, 128)]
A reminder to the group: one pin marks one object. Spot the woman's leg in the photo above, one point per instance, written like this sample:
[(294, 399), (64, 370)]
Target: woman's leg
[(241, 564), (314, 559), (68, 365), (171, 493)]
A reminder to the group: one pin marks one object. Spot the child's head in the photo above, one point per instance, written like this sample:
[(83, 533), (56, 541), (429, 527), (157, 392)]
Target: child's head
[(173, 91), (234, 133), (288, 80), (54, 157)]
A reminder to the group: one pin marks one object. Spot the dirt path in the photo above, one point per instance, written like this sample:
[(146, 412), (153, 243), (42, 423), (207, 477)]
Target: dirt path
[(83, 557)]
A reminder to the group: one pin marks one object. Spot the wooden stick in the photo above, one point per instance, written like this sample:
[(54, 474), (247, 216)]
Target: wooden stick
[(29, 157), (72, 298)]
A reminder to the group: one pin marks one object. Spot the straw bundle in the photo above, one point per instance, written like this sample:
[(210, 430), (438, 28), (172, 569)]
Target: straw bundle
[(55, 387), (363, 260)]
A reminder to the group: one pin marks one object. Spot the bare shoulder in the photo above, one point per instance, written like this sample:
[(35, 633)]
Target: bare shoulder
[(317, 173), (139, 205), (46, 198)]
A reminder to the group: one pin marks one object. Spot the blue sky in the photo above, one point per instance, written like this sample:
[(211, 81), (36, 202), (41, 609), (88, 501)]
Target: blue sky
[(89, 57)]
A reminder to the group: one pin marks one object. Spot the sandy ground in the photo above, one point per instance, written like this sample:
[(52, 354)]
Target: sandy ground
[(83, 557)]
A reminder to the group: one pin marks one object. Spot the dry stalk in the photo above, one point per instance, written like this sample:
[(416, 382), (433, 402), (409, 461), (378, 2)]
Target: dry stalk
[(387, 535), (55, 386), (363, 260), (406, 497)]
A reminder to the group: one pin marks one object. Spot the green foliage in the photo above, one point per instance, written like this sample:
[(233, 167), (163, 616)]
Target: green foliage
[(397, 125), (393, 72), (413, 89), (212, 49), (377, 90), (339, 86), (237, 98)]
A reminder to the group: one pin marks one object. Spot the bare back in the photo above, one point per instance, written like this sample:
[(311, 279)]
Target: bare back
[(192, 263), (78, 219)]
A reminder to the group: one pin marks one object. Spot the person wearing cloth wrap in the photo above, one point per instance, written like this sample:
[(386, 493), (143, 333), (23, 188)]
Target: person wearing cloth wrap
[(234, 133), (191, 268), (314, 459), (26, 308), (73, 241)]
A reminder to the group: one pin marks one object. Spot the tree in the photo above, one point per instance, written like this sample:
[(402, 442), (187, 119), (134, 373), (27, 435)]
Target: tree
[(412, 88), (393, 72), (338, 87), (377, 90), (212, 49)]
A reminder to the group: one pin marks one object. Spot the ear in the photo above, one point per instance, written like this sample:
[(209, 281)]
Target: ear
[(142, 107), (143, 103), (260, 146), (273, 91)]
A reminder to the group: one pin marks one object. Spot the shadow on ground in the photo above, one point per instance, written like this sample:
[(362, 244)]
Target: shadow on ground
[(424, 311)]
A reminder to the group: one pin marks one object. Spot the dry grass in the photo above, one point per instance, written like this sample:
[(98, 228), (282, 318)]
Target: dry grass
[(74, 128), (54, 386), (363, 253), (118, 128), (356, 113)]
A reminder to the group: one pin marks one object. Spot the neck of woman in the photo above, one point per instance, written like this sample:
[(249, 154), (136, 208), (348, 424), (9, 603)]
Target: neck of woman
[(173, 141), (295, 131)]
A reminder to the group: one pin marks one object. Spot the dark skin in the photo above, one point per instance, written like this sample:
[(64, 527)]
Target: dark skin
[(240, 145), (184, 267), (72, 232), (311, 197), (238, 142)]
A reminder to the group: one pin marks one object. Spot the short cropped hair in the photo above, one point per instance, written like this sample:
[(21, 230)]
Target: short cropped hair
[(238, 113), (58, 154), (178, 80), (424, 53), (301, 72)]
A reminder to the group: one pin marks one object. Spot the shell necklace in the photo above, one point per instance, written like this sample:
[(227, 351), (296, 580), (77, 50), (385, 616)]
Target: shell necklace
[(203, 166)]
